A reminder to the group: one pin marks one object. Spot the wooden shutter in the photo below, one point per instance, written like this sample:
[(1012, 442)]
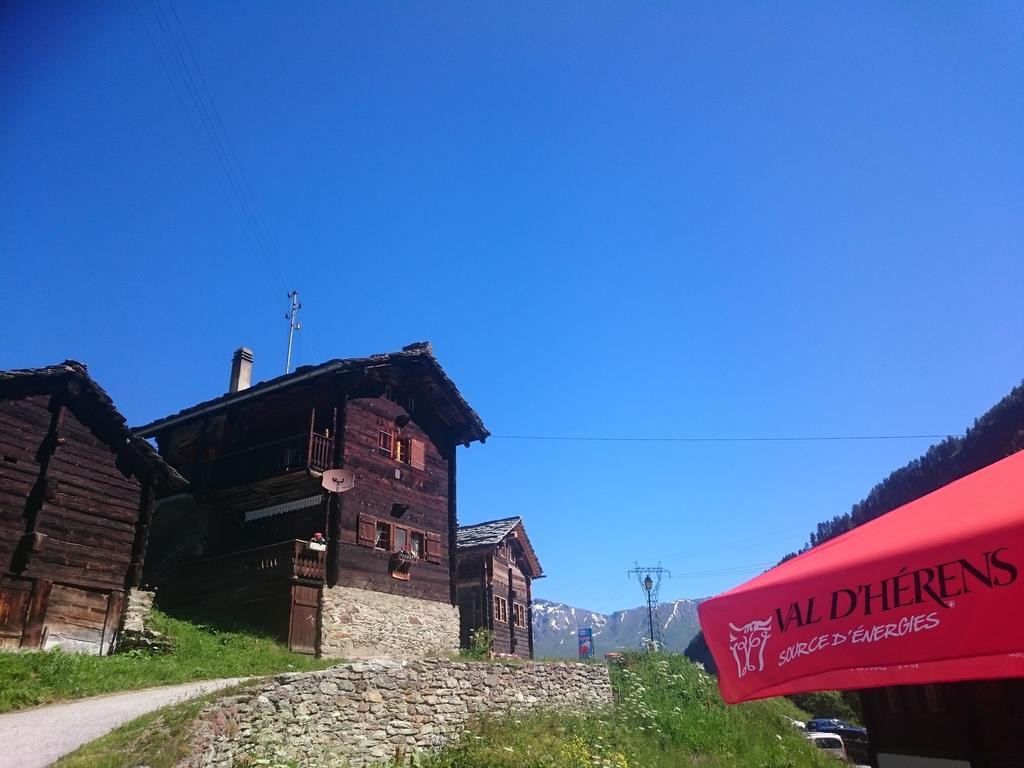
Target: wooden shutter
[(367, 530), (433, 548), (418, 457)]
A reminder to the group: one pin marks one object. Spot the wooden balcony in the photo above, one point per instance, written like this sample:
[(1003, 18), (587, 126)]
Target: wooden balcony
[(287, 561), (265, 474), (308, 451)]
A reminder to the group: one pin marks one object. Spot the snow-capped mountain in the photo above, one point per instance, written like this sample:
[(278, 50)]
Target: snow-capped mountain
[(555, 625)]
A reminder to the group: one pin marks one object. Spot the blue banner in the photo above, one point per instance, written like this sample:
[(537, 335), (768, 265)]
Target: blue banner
[(585, 637)]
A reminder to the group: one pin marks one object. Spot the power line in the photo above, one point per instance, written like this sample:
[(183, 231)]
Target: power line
[(218, 139), (617, 588), (230, 175), (254, 203), (734, 571), (772, 439)]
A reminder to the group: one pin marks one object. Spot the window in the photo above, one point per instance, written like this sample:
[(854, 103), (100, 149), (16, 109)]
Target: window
[(407, 450), (505, 551), (500, 609), (519, 615), (385, 443), (383, 539), (415, 541), (402, 452), (389, 536)]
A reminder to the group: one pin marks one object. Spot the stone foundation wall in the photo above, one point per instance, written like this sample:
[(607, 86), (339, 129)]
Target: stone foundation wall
[(359, 624), (138, 605), (363, 713)]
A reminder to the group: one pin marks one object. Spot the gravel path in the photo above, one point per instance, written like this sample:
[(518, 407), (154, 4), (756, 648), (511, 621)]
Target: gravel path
[(34, 738)]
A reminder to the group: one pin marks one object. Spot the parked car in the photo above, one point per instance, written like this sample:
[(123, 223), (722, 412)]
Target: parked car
[(829, 743), (831, 725)]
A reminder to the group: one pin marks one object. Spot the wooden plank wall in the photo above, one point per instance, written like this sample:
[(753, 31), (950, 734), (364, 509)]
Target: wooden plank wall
[(90, 521), (376, 489), (508, 638), (977, 721), (476, 601), (23, 424), (82, 513), (75, 619)]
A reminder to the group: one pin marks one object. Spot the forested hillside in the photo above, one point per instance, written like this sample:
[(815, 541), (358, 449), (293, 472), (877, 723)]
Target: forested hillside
[(994, 436)]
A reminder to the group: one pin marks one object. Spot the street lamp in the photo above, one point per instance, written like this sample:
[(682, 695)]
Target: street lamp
[(648, 585)]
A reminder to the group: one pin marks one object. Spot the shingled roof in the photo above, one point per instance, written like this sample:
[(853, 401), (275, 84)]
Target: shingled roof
[(493, 532), (419, 354), (482, 534), (93, 407)]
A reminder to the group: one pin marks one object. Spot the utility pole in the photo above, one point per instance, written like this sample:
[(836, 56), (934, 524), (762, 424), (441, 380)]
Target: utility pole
[(293, 325), (651, 588), (650, 607)]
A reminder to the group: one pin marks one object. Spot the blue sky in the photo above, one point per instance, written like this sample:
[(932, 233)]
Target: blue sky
[(664, 219)]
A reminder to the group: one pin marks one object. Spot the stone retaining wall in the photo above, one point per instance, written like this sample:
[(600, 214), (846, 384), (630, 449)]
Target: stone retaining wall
[(362, 713), (359, 624)]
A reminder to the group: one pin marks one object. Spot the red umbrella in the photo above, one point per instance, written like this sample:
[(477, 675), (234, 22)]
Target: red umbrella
[(931, 592)]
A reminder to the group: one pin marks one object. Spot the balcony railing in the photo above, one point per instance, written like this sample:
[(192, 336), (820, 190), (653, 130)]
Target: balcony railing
[(306, 451), (284, 561), (321, 452)]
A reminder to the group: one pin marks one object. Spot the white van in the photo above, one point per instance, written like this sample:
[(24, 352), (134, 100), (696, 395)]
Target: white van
[(829, 743)]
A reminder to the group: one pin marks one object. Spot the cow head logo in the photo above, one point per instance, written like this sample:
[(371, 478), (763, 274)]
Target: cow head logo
[(747, 645)]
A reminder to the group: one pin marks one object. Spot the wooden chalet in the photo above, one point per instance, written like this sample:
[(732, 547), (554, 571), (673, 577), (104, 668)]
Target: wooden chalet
[(497, 566), (243, 541), (76, 499)]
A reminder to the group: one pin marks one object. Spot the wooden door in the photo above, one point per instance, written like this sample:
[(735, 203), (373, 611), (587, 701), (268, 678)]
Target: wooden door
[(76, 619), (304, 626), (14, 600)]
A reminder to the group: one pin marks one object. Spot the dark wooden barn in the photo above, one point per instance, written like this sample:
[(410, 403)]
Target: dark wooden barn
[(76, 498), (497, 566), (971, 724), (243, 542)]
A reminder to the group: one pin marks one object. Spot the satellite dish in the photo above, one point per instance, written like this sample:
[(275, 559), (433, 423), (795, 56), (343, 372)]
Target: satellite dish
[(338, 480)]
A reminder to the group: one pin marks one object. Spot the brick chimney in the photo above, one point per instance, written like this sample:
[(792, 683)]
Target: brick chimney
[(241, 370)]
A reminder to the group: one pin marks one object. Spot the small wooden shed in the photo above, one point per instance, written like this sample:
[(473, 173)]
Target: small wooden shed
[(76, 498), (497, 566)]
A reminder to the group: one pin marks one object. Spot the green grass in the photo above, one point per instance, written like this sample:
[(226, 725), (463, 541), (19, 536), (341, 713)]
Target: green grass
[(668, 714), (155, 740), (201, 652)]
